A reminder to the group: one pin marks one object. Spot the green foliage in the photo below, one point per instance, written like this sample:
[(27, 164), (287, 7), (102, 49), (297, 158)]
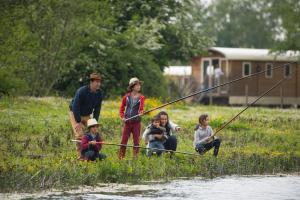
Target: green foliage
[(287, 13), (185, 36), (37, 154), (51, 45), (10, 84), (47, 33), (245, 23), (271, 24)]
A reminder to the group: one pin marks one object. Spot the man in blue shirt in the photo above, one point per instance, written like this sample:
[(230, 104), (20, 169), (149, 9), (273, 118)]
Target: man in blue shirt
[(87, 102)]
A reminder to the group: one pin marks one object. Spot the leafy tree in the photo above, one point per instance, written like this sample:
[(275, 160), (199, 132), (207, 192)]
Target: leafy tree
[(246, 23), (10, 82), (185, 35), (141, 44), (51, 45), (287, 13)]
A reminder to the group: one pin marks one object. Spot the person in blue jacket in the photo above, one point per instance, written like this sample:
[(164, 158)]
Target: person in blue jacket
[(85, 105)]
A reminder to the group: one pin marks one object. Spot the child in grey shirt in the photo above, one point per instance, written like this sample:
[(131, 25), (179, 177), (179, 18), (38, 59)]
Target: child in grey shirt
[(203, 138)]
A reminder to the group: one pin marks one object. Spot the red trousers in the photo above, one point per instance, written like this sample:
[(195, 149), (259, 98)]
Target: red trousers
[(135, 129)]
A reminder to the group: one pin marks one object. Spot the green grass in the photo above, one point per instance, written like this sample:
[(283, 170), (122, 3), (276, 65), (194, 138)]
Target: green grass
[(37, 154)]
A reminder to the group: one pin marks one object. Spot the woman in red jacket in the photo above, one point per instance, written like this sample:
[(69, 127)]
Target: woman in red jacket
[(132, 104)]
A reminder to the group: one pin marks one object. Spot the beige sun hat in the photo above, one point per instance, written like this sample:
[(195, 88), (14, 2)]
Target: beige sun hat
[(134, 80), (92, 122)]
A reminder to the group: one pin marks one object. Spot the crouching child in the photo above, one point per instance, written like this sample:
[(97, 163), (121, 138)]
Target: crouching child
[(155, 136), (91, 142), (203, 138)]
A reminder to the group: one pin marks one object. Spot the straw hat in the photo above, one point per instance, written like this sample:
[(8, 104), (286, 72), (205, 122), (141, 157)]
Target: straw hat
[(134, 81), (92, 122)]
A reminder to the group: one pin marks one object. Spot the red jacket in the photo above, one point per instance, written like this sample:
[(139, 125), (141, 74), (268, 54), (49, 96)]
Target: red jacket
[(128, 109), (87, 138)]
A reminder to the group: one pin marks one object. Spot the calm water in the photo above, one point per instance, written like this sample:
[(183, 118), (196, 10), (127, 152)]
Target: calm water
[(232, 187)]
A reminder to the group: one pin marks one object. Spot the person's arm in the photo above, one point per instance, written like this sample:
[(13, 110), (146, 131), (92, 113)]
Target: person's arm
[(142, 103), (84, 143), (162, 134), (122, 107), (158, 136), (98, 146), (196, 138), (163, 129), (205, 140), (211, 134), (97, 109), (76, 106), (146, 135), (174, 127)]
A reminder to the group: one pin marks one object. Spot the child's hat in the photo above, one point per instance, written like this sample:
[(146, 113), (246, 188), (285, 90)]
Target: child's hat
[(92, 122), (134, 81)]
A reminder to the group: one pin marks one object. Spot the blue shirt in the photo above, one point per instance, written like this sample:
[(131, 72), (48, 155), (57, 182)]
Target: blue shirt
[(86, 102)]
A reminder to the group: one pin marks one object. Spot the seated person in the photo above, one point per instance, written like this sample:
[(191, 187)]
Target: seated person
[(171, 129), (204, 139), (91, 142), (154, 136)]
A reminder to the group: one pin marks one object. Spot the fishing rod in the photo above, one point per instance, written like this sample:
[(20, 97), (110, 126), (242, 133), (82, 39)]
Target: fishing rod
[(208, 89), (148, 148), (232, 119), (221, 128)]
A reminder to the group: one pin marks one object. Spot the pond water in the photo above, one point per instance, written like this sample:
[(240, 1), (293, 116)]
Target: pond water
[(230, 187)]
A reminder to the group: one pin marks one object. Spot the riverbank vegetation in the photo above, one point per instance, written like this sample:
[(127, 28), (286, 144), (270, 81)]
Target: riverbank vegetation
[(37, 152)]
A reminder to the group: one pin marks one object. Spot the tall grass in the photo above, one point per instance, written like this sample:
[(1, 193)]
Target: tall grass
[(36, 151)]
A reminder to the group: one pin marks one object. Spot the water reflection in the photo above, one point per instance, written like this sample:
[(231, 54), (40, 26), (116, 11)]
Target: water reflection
[(232, 187)]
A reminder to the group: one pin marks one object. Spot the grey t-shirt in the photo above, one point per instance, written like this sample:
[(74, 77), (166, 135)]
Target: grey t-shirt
[(201, 134)]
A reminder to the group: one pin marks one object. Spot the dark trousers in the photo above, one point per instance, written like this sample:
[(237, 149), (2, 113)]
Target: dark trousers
[(93, 155), (171, 143), (135, 129), (202, 148)]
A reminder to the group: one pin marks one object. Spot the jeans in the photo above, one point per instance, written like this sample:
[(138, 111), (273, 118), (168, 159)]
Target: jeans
[(202, 148), (157, 145)]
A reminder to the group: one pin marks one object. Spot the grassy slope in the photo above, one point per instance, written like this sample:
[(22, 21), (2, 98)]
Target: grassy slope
[(36, 151)]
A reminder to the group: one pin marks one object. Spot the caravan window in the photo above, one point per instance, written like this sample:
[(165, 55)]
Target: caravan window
[(269, 71), (246, 69), (287, 71)]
